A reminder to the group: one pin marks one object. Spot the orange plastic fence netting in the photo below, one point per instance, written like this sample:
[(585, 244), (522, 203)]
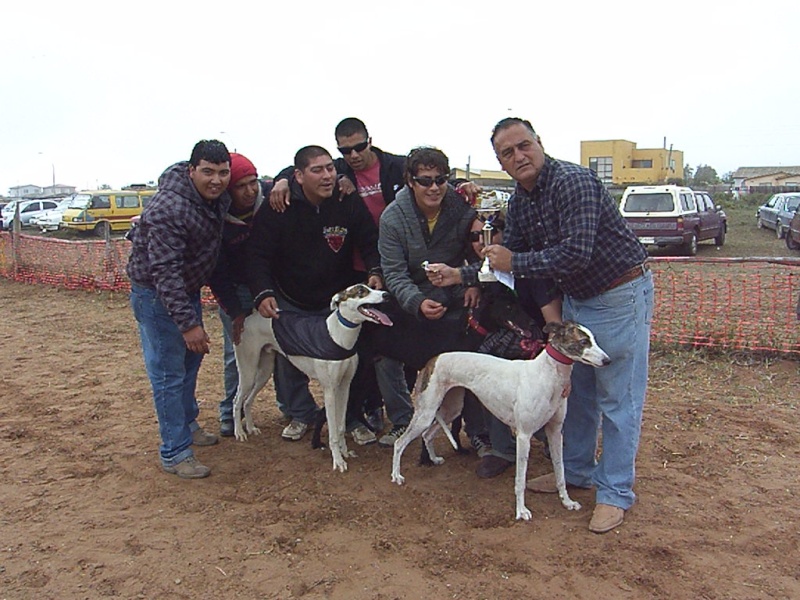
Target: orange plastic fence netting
[(735, 303)]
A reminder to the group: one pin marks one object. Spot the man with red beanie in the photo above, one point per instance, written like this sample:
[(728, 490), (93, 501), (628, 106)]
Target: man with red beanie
[(229, 282)]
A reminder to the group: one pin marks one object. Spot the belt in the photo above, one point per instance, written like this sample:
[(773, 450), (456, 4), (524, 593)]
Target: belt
[(627, 276)]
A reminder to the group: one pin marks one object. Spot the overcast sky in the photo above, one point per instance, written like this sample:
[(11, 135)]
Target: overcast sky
[(107, 92)]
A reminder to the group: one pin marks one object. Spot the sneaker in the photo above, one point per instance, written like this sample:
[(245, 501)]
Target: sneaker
[(481, 444), (375, 419), (363, 436), (226, 428), (188, 469), (294, 431), (390, 438), (200, 437)]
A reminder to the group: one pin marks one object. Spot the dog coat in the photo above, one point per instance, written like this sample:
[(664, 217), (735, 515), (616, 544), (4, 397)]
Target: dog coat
[(307, 335)]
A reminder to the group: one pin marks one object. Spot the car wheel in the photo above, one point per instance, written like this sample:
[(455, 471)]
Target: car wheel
[(760, 223), (690, 247), (720, 239), (779, 230), (791, 244), (101, 229)]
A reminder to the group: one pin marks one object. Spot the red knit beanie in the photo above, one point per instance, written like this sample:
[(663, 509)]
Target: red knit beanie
[(240, 167)]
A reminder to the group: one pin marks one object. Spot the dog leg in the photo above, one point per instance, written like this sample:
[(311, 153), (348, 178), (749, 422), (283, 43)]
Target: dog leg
[(429, 435), (555, 441), (266, 364), (427, 405), (248, 365), (335, 431), (523, 450)]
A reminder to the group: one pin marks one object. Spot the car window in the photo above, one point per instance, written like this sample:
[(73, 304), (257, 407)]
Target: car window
[(127, 201), (655, 202), (771, 202), (32, 207), (48, 205), (101, 202), (687, 201), (792, 203)]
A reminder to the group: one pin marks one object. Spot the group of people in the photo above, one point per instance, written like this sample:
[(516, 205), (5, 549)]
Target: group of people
[(375, 217)]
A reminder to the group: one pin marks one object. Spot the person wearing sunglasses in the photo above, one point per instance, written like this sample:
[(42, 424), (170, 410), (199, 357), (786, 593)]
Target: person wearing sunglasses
[(428, 221)]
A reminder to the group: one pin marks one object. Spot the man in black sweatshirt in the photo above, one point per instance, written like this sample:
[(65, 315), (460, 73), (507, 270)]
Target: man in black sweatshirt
[(301, 257)]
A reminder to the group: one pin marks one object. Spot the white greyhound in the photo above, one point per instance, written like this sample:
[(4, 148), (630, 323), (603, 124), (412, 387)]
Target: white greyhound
[(255, 359), (524, 394)]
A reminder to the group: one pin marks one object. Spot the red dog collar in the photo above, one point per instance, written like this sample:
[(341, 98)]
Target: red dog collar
[(557, 356)]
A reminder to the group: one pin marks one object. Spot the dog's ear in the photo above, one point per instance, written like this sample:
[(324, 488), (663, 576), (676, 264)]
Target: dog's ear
[(337, 298), (552, 326)]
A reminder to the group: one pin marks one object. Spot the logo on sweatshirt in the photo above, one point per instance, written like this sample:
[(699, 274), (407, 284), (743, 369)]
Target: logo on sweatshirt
[(335, 237)]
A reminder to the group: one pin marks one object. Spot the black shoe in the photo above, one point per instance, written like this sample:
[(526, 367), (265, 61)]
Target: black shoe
[(374, 420), (491, 466), (226, 428)]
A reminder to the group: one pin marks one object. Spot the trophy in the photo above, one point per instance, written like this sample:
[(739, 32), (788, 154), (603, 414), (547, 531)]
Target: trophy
[(488, 207)]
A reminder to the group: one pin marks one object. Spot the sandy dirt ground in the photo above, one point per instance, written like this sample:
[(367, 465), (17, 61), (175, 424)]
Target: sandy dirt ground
[(86, 511)]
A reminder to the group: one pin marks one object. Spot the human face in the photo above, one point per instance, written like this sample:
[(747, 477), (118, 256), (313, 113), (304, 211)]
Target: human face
[(210, 179), (244, 192), (476, 236), (520, 154), (317, 179), (358, 160), (429, 199)]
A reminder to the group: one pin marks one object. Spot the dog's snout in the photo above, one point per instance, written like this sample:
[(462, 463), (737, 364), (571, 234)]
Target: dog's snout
[(385, 296), (606, 361)]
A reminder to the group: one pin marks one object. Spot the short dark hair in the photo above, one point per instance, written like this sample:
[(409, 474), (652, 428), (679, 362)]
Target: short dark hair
[(350, 126), (510, 122), (213, 151), (425, 156), (306, 153)]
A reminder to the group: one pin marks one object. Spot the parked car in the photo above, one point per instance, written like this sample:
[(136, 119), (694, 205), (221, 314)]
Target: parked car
[(793, 232), (51, 220), (104, 211), (27, 210), (777, 212), (671, 215)]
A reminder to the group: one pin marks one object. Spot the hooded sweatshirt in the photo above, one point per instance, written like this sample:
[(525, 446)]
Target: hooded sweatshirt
[(176, 243)]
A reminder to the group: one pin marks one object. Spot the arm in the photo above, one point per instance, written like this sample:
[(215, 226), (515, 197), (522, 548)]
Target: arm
[(392, 245), (223, 287), (265, 242), (279, 195)]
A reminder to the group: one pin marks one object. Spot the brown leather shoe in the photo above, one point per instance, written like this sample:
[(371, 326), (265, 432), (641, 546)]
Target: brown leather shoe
[(201, 437), (491, 466), (605, 518), (546, 484)]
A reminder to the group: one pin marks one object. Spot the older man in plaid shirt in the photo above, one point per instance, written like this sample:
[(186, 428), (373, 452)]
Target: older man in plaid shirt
[(563, 224)]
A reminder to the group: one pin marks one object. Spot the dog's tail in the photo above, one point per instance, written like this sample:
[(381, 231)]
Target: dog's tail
[(424, 377)]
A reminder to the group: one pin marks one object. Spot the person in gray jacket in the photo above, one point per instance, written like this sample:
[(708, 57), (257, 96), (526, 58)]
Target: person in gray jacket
[(428, 221)]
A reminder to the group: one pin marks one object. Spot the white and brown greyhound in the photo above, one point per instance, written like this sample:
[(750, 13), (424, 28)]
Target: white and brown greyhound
[(525, 394), (327, 355)]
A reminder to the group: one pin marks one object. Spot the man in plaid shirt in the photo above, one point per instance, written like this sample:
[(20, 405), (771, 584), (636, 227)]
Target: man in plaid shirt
[(563, 224), (174, 251)]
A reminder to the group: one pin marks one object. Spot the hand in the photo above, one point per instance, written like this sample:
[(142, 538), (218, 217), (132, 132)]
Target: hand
[(499, 257), (472, 297), (238, 328), (469, 191), (442, 275), (196, 340), (375, 282), (269, 308), (346, 187), (279, 196), (432, 310)]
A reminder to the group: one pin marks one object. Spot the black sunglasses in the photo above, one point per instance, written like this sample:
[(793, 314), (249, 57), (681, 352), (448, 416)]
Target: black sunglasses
[(475, 236), (360, 147), (429, 181)]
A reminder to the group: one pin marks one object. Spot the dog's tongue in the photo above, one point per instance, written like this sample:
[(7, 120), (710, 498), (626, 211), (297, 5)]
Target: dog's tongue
[(378, 316)]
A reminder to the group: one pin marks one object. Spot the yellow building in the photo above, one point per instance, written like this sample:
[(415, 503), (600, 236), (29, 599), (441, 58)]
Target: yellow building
[(620, 162)]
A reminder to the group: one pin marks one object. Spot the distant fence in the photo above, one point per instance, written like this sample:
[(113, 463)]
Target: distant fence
[(747, 304)]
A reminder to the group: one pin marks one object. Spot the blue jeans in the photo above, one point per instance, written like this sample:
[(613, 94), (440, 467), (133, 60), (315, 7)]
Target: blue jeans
[(291, 384), (172, 370), (230, 373), (394, 389), (610, 398)]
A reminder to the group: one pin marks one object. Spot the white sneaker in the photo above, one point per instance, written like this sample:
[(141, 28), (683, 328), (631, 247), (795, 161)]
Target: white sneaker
[(294, 430), (363, 436)]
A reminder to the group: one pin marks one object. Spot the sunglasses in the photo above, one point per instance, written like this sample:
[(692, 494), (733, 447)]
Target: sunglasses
[(429, 181), (360, 147), (476, 236)]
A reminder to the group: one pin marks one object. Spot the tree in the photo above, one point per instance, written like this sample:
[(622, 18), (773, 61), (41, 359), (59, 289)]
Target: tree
[(687, 174), (727, 177), (705, 175)]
